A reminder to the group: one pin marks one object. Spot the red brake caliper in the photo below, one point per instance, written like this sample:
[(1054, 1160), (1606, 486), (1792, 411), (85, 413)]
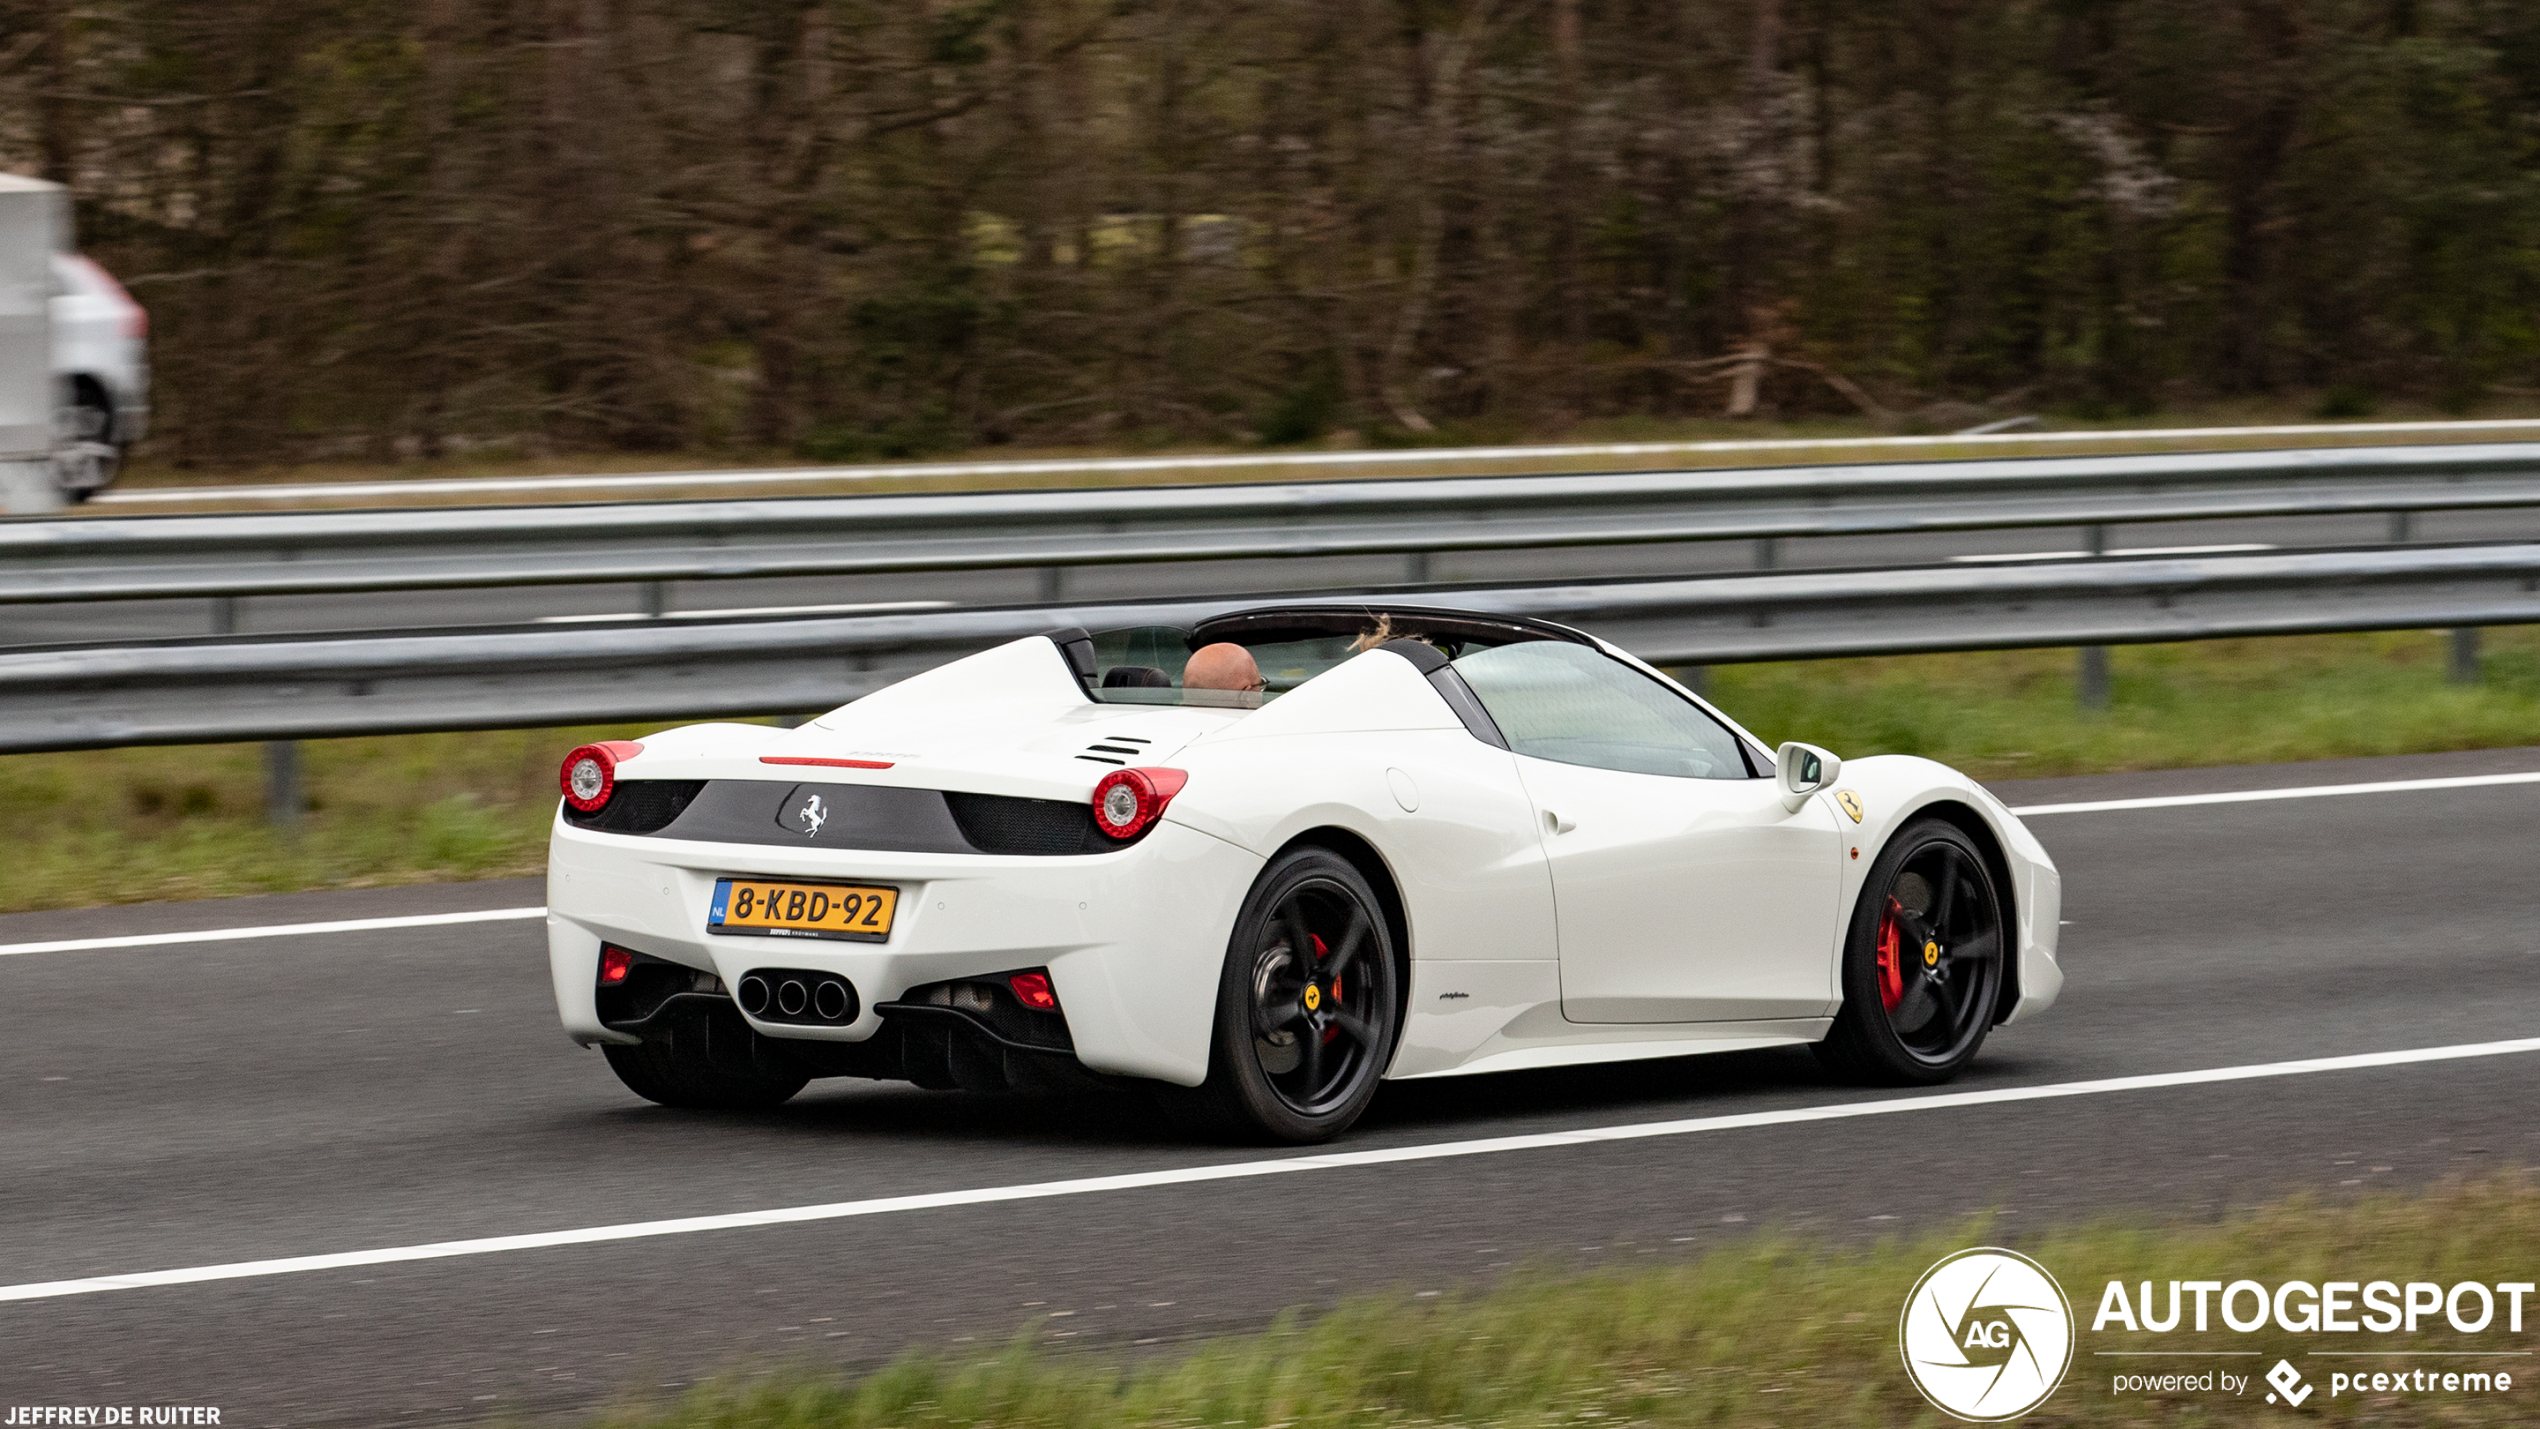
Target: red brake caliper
[(1891, 961), (1322, 951)]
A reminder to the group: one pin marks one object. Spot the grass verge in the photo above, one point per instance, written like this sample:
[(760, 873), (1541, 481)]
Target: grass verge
[(2014, 714), (137, 825), (122, 826), (1769, 1331)]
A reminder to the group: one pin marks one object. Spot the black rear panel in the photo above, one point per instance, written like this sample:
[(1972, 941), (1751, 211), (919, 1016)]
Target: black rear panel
[(846, 816)]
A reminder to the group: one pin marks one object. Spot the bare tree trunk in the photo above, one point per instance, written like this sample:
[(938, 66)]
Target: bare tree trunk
[(1438, 140), (1569, 296), (2258, 146), (1759, 189), (53, 108)]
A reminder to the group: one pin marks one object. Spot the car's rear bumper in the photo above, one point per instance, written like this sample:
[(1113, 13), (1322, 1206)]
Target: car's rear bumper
[(1134, 941)]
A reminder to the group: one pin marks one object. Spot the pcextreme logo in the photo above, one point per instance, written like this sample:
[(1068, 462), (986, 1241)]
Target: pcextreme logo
[(1986, 1335)]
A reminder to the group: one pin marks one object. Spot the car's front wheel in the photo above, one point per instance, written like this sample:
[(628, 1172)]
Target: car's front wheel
[(1922, 964), (709, 1063), (1309, 1005)]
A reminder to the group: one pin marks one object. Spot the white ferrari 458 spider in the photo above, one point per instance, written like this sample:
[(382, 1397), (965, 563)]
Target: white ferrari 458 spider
[(1261, 864)]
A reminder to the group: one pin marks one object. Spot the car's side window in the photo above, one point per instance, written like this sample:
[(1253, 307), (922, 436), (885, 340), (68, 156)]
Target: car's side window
[(1574, 705)]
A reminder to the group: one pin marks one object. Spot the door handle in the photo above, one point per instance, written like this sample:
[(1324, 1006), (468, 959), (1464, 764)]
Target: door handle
[(1556, 823)]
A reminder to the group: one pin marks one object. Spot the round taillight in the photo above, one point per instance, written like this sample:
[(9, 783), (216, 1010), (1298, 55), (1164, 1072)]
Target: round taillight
[(1127, 800), (589, 774)]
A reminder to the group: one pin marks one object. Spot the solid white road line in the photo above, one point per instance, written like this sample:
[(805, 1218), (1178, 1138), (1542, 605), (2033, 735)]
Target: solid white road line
[(1243, 1170), (638, 481), (276, 930), (2255, 796)]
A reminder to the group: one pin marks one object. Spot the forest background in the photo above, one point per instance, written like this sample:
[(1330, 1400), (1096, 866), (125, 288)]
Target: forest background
[(375, 230)]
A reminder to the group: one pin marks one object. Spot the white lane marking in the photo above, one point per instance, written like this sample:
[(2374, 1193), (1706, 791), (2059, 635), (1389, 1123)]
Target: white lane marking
[(2253, 796), (275, 930), (636, 481), (1242, 1170)]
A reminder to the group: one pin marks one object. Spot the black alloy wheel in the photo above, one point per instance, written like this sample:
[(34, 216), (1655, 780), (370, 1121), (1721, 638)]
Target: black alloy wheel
[(1922, 964), (1309, 1004)]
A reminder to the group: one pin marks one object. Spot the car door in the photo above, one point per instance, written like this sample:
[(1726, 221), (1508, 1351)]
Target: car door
[(1683, 890)]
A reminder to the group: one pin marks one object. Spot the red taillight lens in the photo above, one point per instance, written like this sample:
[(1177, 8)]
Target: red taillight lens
[(1034, 991), (1127, 800), (589, 774), (614, 961)]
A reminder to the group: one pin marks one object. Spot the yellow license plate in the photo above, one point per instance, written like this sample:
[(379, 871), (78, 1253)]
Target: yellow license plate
[(860, 911)]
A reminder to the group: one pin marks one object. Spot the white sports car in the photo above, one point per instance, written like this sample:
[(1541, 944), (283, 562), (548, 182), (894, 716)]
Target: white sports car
[(1266, 862)]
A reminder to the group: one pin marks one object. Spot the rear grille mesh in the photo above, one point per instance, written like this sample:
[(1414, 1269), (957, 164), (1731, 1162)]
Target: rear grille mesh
[(999, 823), (638, 806)]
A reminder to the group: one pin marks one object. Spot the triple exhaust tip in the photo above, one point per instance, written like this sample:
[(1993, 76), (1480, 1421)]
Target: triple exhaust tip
[(791, 995)]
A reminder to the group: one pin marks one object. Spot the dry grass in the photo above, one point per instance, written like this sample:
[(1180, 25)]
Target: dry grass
[(1772, 1331), (1804, 441)]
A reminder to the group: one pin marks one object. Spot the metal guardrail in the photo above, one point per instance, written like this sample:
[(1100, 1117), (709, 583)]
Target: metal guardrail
[(207, 690), (232, 556)]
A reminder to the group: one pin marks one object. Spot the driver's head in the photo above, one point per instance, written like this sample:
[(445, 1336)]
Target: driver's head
[(1222, 666)]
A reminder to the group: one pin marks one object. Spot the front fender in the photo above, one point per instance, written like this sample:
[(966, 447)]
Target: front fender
[(1891, 790)]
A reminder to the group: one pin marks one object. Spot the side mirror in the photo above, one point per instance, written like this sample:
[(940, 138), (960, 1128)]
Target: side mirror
[(1803, 770)]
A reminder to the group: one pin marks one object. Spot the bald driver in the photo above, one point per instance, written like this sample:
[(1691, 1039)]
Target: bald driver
[(1223, 667)]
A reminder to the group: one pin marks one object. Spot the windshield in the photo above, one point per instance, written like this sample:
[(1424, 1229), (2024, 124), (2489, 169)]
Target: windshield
[(1247, 659), (1152, 665)]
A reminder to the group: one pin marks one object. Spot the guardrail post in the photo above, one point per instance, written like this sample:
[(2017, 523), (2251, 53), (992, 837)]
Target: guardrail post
[(2090, 678), (653, 598), (1415, 567), (2464, 664), (2092, 682), (285, 798), (224, 615), (2403, 526), (1053, 584)]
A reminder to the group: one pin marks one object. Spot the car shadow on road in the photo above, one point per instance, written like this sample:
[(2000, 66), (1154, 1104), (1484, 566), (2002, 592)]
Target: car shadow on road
[(1496, 1103)]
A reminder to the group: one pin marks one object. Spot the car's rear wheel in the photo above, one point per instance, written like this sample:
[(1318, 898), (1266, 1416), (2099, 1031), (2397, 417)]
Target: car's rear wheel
[(1308, 1007), (713, 1063), (1922, 961)]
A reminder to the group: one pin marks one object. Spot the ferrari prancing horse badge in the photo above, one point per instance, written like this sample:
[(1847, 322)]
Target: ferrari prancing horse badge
[(1851, 803)]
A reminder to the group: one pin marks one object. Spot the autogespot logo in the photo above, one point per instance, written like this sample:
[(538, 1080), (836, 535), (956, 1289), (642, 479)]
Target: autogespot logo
[(1987, 1335)]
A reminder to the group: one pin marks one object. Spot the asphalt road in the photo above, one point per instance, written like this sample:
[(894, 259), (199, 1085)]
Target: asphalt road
[(206, 1103)]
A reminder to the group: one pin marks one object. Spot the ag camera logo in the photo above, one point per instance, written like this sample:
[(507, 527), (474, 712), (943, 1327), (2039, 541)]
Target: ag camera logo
[(1987, 1335)]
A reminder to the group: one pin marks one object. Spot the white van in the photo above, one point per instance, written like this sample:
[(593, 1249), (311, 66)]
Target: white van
[(101, 361)]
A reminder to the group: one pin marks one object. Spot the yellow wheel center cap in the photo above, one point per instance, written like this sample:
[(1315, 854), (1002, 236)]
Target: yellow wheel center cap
[(1313, 997), (1931, 955)]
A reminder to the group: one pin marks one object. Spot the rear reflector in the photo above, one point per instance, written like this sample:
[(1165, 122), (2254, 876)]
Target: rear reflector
[(1033, 990), (614, 961)]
